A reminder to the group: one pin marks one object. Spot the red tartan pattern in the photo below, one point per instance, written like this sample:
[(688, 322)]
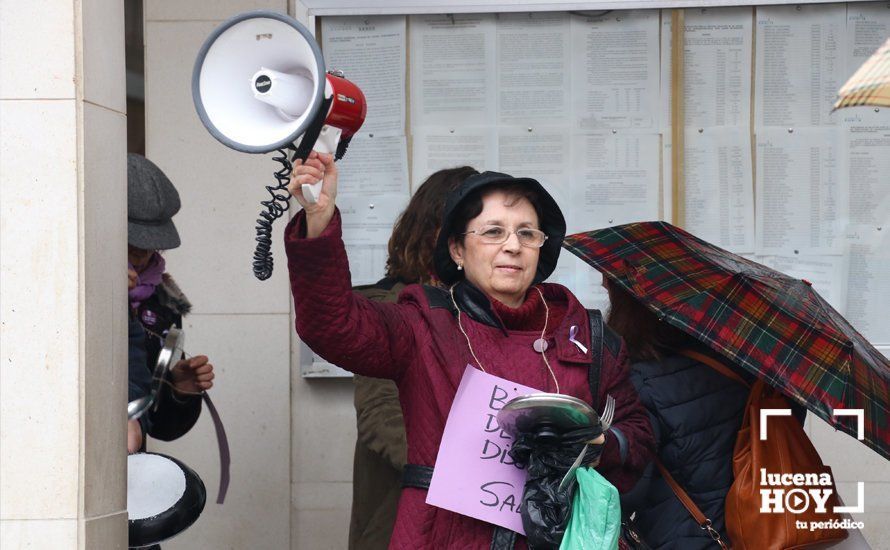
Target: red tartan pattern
[(775, 326)]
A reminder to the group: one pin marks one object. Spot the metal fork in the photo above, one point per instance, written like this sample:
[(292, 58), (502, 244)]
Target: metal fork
[(608, 414), (606, 420)]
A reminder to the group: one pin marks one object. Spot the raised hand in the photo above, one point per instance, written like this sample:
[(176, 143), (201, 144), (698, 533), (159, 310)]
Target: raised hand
[(318, 167)]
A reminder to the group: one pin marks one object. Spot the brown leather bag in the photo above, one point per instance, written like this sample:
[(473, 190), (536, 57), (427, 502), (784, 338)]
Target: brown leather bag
[(786, 450)]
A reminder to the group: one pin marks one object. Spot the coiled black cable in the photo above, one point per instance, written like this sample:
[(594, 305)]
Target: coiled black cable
[(274, 209), (278, 205)]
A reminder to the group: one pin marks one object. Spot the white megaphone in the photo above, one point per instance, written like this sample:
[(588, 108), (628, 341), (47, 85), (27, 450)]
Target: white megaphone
[(260, 85)]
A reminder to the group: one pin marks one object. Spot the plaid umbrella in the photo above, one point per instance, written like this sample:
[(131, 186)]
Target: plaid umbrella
[(870, 85), (771, 324)]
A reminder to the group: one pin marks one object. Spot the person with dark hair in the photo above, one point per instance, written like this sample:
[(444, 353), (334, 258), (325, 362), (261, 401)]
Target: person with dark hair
[(696, 413), (500, 239), (381, 448), (156, 305)]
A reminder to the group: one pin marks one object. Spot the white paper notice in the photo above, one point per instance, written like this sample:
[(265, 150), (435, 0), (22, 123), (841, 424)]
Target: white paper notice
[(800, 64), (542, 154), (868, 26), (367, 263), (452, 68), (800, 193), (438, 148), (719, 188), (367, 226), (615, 70), (374, 166), (826, 273), (533, 67), (615, 179), (665, 94), (564, 273), (585, 282), (313, 366), (369, 220), (868, 285), (667, 176), (868, 169), (717, 66), (371, 53)]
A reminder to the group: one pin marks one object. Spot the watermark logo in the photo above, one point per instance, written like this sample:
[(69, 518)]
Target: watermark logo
[(795, 493), (801, 492)]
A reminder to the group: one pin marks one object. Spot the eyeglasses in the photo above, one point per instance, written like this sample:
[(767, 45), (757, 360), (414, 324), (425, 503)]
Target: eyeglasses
[(495, 234)]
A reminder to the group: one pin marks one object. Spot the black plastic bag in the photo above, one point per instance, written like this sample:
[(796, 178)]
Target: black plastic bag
[(547, 456)]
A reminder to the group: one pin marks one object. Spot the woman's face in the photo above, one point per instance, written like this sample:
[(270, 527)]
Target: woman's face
[(503, 271), (138, 257)]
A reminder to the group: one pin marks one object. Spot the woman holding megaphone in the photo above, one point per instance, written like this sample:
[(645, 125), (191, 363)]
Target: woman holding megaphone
[(500, 239)]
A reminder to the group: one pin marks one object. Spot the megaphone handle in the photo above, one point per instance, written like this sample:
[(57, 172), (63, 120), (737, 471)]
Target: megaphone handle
[(326, 142), (311, 191), (307, 142)]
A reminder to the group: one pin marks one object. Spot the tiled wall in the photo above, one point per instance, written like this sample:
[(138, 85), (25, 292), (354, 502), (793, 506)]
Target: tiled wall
[(62, 250)]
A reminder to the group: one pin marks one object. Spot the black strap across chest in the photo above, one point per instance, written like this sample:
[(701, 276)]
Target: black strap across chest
[(596, 349)]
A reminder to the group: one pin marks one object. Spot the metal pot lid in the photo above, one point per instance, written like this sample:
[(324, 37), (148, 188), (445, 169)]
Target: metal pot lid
[(562, 412), (170, 354)]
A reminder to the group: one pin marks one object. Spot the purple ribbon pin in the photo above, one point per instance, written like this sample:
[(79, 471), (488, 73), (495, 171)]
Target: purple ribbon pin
[(573, 331)]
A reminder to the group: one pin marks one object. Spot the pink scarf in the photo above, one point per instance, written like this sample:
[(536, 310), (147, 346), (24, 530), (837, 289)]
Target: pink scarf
[(147, 280)]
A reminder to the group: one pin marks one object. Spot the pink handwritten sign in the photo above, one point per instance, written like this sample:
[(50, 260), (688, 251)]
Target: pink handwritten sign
[(474, 474)]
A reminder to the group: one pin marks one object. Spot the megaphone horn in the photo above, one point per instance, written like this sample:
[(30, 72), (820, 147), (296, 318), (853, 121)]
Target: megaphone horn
[(260, 85)]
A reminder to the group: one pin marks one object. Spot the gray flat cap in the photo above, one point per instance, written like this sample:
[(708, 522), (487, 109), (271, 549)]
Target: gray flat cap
[(152, 200)]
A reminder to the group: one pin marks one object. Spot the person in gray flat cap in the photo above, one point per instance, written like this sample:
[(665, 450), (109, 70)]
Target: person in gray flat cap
[(156, 305)]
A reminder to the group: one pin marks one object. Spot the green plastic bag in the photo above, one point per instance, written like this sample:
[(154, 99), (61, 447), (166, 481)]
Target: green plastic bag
[(596, 514)]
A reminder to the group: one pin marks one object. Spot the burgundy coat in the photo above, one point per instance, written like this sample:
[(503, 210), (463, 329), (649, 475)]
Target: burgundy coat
[(422, 349)]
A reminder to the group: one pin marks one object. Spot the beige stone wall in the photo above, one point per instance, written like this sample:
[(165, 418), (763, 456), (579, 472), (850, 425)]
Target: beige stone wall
[(62, 296)]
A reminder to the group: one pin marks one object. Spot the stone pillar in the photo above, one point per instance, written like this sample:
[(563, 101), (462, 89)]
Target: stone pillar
[(62, 291)]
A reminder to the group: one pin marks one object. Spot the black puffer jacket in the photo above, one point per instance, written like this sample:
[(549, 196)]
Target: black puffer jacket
[(173, 416), (696, 413)]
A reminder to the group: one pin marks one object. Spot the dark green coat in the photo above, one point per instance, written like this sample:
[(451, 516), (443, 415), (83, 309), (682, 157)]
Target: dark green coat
[(380, 451)]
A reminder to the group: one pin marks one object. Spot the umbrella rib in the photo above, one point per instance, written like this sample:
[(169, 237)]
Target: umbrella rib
[(858, 90)]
